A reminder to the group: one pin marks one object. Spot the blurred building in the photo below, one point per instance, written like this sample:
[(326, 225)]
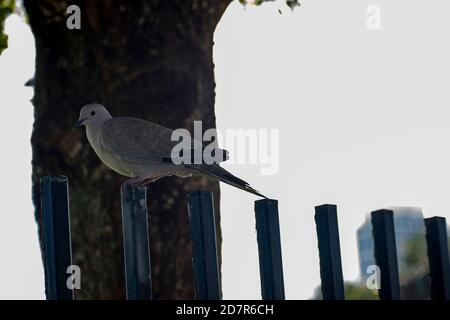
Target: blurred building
[(408, 224)]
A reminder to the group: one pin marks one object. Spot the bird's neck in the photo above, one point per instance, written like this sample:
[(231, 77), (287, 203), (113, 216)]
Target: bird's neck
[(93, 132)]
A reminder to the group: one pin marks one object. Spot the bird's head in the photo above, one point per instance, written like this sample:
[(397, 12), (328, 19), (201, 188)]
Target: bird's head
[(92, 115)]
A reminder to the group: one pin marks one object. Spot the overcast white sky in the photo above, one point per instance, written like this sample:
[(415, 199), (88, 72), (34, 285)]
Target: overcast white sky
[(21, 271), (363, 119)]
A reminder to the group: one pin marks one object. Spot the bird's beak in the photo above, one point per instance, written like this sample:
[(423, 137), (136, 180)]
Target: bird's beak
[(79, 123)]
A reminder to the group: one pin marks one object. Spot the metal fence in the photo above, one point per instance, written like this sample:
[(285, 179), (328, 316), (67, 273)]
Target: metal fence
[(58, 258)]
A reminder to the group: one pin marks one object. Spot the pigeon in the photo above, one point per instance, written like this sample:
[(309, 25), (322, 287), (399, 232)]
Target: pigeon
[(142, 150)]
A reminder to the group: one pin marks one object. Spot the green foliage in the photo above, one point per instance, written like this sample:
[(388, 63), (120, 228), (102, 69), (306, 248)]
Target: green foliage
[(415, 261), (414, 269), (353, 291), (6, 8), (290, 3), (358, 291)]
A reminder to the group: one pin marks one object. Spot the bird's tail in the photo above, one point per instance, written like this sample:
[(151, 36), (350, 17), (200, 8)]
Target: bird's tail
[(215, 171)]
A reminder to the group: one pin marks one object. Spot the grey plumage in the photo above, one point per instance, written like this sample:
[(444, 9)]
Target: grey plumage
[(142, 150)]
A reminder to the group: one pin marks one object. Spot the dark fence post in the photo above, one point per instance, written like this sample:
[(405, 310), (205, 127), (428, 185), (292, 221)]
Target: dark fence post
[(56, 233), (438, 256), (329, 252), (204, 248), (386, 254), (269, 248), (136, 242)]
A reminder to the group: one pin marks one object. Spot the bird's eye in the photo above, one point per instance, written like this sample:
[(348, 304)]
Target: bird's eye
[(93, 113)]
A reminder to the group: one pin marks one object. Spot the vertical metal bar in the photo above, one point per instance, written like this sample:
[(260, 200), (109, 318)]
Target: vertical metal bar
[(269, 248), (329, 252), (56, 237), (136, 242), (204, 248), (386, 254), (438, 256)]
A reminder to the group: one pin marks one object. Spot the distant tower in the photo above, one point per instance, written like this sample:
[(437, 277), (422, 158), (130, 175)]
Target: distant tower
[(408, 223)]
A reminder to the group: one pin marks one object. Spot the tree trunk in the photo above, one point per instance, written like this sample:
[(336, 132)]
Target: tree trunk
[(146, 59)]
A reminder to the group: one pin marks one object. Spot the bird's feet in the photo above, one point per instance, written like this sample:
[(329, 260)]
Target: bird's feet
[(139, 182)]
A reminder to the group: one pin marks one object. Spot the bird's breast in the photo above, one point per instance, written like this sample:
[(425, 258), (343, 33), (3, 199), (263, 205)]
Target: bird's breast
[(107, 157)]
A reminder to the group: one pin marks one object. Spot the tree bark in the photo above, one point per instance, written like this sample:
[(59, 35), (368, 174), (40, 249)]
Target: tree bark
[(147, 59)]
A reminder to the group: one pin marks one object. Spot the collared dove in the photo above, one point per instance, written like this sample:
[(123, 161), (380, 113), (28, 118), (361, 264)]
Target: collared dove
[(142, 150)]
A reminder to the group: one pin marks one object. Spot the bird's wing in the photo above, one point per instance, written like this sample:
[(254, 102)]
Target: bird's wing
[(137, 141), (143, 142)]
